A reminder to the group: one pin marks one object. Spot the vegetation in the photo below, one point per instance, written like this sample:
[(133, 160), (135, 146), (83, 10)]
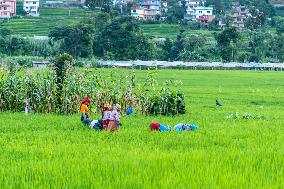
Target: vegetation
[(61, 89), (49, 19), (111, 35), (222, 153)]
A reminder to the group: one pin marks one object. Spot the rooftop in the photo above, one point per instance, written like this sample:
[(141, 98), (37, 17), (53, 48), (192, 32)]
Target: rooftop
[(204, 8)]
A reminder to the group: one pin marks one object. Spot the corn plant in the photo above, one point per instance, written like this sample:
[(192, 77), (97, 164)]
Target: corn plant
[(42, 91)]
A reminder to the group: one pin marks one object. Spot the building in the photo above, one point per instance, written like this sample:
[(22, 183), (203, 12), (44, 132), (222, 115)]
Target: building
[(190, 8), (146, 10), (41, 64), (31, 7), (7, 8), (137, 12), (239, 13), (204, 14)]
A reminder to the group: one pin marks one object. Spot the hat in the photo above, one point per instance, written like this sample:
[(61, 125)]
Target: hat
[(117, 106), (88, 99), (107, 107)]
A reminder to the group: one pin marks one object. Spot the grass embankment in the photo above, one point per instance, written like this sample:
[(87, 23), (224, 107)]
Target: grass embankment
[(49, 151)]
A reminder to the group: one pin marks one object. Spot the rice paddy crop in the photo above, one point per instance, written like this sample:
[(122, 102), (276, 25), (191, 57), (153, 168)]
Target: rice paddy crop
[(52, 151)]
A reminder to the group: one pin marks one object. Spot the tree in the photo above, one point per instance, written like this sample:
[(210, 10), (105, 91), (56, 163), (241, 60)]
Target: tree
[(122, 39), (259, 46), (166, 49), (278, 47), (178, 47), (279, 24), (176, 12), (226, 41), (257, 20), (76, 40), (62, 64), (104, 5)]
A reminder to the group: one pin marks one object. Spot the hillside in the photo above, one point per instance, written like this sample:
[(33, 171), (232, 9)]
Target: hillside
[(49, 18)]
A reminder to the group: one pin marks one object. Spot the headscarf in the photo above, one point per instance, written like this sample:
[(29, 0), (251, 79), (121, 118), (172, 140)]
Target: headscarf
[(117, 107), (87, 99), (107, 107)]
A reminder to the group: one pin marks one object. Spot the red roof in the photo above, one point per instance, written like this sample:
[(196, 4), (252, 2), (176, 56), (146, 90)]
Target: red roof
[(134, 6)]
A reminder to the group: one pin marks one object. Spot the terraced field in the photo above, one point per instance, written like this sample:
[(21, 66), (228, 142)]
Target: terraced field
[(169, 30), (49, 18)]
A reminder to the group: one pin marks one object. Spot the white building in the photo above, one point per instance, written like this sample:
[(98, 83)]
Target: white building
[(190, 7), (203, 11), (31, 7), (7, 8), (204, 14)]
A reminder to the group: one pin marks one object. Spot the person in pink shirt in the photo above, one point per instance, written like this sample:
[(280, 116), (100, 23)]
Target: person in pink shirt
[(114, 120)]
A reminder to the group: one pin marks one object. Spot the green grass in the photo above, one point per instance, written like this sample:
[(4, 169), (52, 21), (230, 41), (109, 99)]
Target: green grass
[(49, 18), (50, 151)]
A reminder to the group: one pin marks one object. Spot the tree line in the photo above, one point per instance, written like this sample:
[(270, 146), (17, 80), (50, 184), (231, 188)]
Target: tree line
[(109, 37)]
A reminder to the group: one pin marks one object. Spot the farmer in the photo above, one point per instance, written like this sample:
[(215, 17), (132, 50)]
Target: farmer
[(84, 108), (106, 116), (114, 121), (96, 124)]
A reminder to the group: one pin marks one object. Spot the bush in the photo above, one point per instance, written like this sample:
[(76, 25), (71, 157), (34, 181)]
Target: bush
[(166, 102)]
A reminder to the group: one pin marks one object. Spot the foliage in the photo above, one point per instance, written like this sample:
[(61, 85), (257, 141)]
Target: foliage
[(226, 41), (4, 32), (61, 90), (76, 40), (175, 13), (19, 46), (25, 61), (103, 5), (178, 46), (257, 20), (122, 39), (166, 102)]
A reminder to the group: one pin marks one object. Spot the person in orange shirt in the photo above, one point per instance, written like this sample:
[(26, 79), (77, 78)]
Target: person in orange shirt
[(84, 108)]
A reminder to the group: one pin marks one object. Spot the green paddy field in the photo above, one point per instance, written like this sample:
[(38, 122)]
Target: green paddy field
[(229, 150)]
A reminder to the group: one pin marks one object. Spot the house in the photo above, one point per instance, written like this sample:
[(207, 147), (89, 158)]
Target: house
[(146, 10), (190, 8), (31, 7), (41, 64), (7, 8), (63, 3), (137, 12), (239, 13), (204, 14)]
